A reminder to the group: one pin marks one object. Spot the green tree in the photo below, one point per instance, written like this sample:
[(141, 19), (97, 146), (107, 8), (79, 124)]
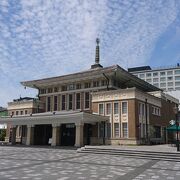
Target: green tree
[(2, 134)]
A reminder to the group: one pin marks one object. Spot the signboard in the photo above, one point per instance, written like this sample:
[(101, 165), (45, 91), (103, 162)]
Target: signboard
[(172, 122)]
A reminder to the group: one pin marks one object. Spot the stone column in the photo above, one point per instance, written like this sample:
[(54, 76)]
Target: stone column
[(7, 138), (13, 138), (55, 134), (79, 135), (30, 135)]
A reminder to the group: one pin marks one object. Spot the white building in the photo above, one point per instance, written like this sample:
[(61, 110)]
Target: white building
[(166, 78)]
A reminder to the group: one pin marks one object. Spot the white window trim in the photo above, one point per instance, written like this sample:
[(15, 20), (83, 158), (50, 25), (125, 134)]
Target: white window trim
[(65, 102), (106, 108), (47, 103), (127, 130), (122, 107), (154, 113), (80, 101), (68, 102), (118, 128), (118, 107), (85, 100), (103, 109)]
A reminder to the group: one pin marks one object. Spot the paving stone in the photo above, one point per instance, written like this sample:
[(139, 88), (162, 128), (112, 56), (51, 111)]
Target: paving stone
[(62, 164)]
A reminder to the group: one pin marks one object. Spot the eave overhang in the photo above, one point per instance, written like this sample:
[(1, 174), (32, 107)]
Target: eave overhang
[(76, 117), (76, 77), (115, 71)]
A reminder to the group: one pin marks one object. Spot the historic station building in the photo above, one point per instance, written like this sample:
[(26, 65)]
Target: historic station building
[(103, 105)]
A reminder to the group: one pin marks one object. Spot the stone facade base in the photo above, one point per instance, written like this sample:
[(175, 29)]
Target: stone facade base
[(99, 141), (6, 139)]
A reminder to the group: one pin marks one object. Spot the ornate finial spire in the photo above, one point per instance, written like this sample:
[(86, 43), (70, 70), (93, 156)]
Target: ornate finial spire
[(97, 58), (97, 51)]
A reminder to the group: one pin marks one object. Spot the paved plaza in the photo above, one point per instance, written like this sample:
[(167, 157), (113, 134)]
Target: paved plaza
[(63, 164)]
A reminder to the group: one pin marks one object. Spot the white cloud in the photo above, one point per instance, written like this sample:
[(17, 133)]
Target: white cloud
[(46, 38)]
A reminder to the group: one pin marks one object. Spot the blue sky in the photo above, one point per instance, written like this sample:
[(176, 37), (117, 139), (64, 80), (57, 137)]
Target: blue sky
[(43, 38)]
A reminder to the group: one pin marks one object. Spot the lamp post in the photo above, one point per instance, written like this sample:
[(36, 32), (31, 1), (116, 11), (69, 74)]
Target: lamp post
[(177, 125), (146, 120)]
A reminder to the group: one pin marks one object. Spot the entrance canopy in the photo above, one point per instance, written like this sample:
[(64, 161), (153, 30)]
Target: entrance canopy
[(173, 128), (56, 117)]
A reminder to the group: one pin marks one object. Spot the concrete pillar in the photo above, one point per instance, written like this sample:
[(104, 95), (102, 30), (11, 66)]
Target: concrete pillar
[(13, 138), (30, 135), (79, 135), (55, 135), (7, 138)]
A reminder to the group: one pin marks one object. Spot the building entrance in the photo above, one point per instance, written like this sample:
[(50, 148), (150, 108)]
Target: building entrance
[(68, 134), (42, 134), (87, 134)]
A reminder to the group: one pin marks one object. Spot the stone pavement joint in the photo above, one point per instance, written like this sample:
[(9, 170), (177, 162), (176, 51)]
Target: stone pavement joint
[(138, 171), (39, 163)]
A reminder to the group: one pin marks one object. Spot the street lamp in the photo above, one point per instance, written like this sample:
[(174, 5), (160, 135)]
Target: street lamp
[(177, 125)]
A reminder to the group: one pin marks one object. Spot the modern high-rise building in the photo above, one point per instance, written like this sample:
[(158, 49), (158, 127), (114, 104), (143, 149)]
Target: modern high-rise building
[(165, 78)]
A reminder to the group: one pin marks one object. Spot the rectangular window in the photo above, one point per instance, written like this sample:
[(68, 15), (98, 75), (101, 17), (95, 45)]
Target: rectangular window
[(78, 101), (116, 108), (169, 72), (162, 84), (162, 79), (103, 82), (95, 83), (156, 111), (170, 89), (71, 87), (148, 75), (78, 86), (55, 89), (116, 129), (49, 104), (141, 75), (177, 83), (55, 103), (87, 100), (155, 79), (108, 108), (155, 74), (124, 107), (162, 73), (42, 91), (87, 85), (177, 78), (64, 88), (49, 90), (17, 112), (177, 71), (63, 102), (170, 78), (21, 112), (26, 111), (70, 101), (101, 109), (125, 130)]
